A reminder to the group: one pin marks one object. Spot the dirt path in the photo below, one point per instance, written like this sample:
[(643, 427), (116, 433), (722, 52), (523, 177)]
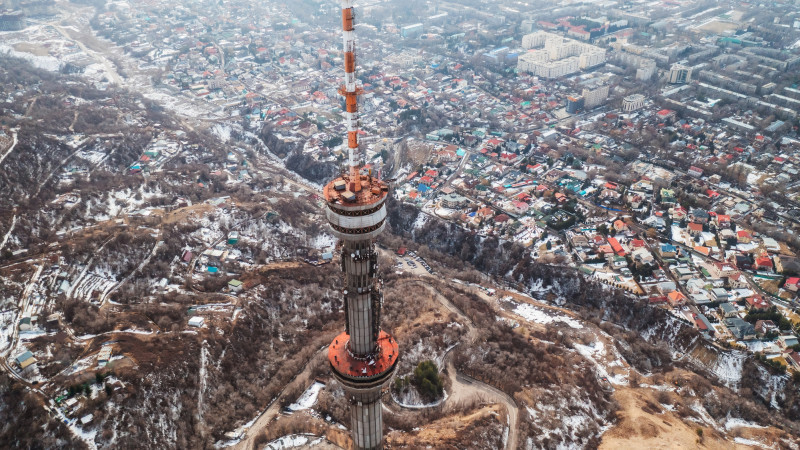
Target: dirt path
[(100, 58), (10, 229), (58, 167), (14, 140), (302, 379), (105, 296), (464, 388), (472, 331), (30, 107), (72, 125)]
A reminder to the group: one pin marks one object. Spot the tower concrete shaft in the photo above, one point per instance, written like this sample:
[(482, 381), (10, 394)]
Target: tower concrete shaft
[(362, 297), (363, 357)]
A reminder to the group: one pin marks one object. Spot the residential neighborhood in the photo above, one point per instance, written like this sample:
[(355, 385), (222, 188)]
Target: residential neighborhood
[(167, 242)]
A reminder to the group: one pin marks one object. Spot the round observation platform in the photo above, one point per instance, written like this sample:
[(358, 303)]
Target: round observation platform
[(356, 206), (370, 370)]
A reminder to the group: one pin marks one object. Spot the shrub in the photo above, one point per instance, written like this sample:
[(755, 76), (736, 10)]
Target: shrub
[(427, 381)]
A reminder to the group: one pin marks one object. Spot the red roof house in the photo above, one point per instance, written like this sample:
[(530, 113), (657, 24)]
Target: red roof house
[(763, 262), (616, 246)]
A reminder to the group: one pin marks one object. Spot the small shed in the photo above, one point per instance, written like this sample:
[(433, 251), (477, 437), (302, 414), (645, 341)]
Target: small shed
[(26, 359), (187, 256), (196, 321), (235, 285), (104, 355), (25, 324)]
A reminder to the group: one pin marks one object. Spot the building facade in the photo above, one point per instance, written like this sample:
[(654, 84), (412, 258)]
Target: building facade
[(411, 31), (633, 102), (595, 97), (554, 56), (574, 104), (680, 74)]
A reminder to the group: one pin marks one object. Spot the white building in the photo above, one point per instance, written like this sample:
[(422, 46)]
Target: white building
[(646, 70), (551, 69), (594, 97), (196, 321), (411, 31), (559, 56), (633, 102), (680, 74), (534, 40), (592, 58)]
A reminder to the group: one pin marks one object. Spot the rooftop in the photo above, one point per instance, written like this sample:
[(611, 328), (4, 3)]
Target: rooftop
[(345, 190), (376, 364)]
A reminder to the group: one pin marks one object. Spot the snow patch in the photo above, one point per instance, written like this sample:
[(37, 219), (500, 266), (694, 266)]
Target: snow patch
[(740, 423), (743, 441), (533, 314), (293, 441), (421, 220), (412, 400), (728, 367), (223, 132), (308, 398), (323, 241), (47, 63)]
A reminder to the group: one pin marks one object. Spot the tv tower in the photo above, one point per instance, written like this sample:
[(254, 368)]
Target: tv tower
[(363, 357)]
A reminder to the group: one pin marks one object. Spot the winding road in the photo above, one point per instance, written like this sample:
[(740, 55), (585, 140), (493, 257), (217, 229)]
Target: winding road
[(14, 141), (261, 423), (464, 388)]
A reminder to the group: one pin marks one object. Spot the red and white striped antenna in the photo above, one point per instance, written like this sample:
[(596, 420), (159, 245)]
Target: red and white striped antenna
[(351, 92)]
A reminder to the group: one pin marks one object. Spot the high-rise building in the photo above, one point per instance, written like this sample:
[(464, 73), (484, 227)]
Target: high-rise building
[(592, 58), (527, 25), (594, 97), (534, 40), (363, 357), (646, 70), (559, 56), (680, 74), (574, 104), (411, 31)]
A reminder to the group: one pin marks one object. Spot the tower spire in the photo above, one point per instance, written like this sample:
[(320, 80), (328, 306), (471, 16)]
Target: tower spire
[(350, 91)]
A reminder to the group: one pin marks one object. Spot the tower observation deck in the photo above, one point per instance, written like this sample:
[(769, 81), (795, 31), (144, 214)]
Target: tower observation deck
[(363, 357)]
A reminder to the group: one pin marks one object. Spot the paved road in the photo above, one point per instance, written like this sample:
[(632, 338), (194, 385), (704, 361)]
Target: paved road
[(100, 58)]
